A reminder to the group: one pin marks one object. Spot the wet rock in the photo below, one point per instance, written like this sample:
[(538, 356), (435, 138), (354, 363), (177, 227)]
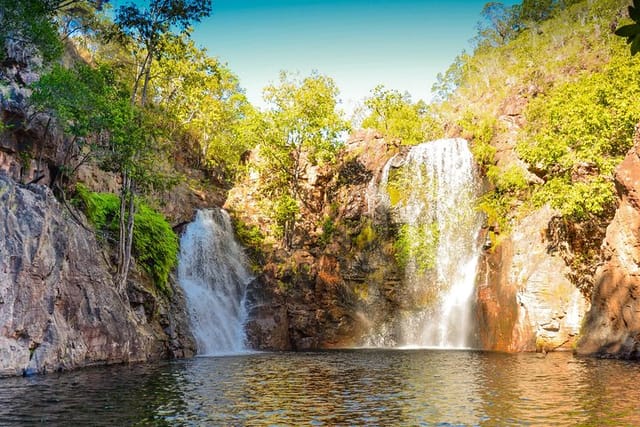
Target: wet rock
[(267, 327)]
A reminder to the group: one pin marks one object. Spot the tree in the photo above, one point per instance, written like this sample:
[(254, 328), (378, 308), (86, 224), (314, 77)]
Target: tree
[(303, 126), (537, 10), (209, 113), (82, 101), (145, 30), (632, 31), (499, 24), (397, 118), (35, 22)]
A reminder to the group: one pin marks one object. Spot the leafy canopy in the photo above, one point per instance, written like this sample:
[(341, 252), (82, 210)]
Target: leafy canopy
[(578, 133), (394, 115), (204, 106), (302, 127)]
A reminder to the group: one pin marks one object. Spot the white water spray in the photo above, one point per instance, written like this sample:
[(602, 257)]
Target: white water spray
[(213, 272), (435, 204)]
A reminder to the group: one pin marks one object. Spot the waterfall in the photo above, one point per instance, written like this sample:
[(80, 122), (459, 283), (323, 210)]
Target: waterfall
[(213, 272), (431, 197)]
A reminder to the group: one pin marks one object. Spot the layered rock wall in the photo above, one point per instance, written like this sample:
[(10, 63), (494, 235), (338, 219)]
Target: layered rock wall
[(58, 305), (526, 301), (612, 326)]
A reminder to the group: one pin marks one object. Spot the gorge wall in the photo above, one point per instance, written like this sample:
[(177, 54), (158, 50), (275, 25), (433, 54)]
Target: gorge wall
[(58, 305), (335, 293), (526, 301), (612, 326)]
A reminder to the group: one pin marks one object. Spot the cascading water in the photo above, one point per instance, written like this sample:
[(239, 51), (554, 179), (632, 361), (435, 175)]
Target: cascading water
[(431, 198), (213, 272)]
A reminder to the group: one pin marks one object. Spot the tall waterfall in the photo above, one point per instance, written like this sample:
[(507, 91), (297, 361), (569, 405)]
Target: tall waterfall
[(213, 272), (431, 198)]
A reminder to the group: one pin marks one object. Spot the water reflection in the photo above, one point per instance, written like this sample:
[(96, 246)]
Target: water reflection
[(363, 387)]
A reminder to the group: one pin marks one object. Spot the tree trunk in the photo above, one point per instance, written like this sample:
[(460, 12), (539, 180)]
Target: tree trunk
[(121, 275), (145, 70), (145, 86), (130, 223)]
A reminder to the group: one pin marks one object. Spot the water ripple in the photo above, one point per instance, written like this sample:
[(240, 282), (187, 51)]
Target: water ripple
[(363, 387)]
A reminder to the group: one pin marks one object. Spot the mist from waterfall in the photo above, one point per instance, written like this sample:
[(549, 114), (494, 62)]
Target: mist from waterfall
[(431, 197), (213, 272)]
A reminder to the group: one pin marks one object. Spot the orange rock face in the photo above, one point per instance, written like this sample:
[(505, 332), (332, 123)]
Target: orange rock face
[(612, 327), (526, 301)]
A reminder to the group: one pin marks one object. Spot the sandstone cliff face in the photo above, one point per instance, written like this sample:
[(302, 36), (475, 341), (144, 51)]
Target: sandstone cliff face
[(526, 301), (337, 294), (58, 305), (612, 326), (320, 293)]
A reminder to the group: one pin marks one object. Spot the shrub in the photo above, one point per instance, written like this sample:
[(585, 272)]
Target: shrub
[(328, 229), (590, 121), (155, 245), (418, 244)]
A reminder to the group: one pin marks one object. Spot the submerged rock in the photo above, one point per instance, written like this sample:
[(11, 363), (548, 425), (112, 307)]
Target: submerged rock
[(59, 308)]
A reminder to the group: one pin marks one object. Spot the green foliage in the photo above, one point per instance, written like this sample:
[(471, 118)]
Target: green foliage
[(484, 153), (285, 214), (303, 126), (209, 115), (497, 208), (480, 130), (83, 99), (328, 229), (249, 236), (575, 35), (100, 208), (367, 235), (31, 21), (580, 200), (44, 24), (557, 63), (395, 116), (501, 24), (417, 244), (587, 123), (155, 244), (632, 31), (304, 118), (510, 180)]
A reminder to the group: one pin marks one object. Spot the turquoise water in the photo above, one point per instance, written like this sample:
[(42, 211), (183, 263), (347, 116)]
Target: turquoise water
[(355, 387)]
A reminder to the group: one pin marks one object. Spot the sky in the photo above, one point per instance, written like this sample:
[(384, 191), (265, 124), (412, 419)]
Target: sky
[(402, 44)]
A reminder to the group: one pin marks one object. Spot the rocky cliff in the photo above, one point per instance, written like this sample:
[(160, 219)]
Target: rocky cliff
[(58, 305), (612, 326), (336, 292), (526, 301), (322, 292)]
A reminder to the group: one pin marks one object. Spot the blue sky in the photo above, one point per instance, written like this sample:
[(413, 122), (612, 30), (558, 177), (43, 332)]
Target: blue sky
[(402, 44)]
